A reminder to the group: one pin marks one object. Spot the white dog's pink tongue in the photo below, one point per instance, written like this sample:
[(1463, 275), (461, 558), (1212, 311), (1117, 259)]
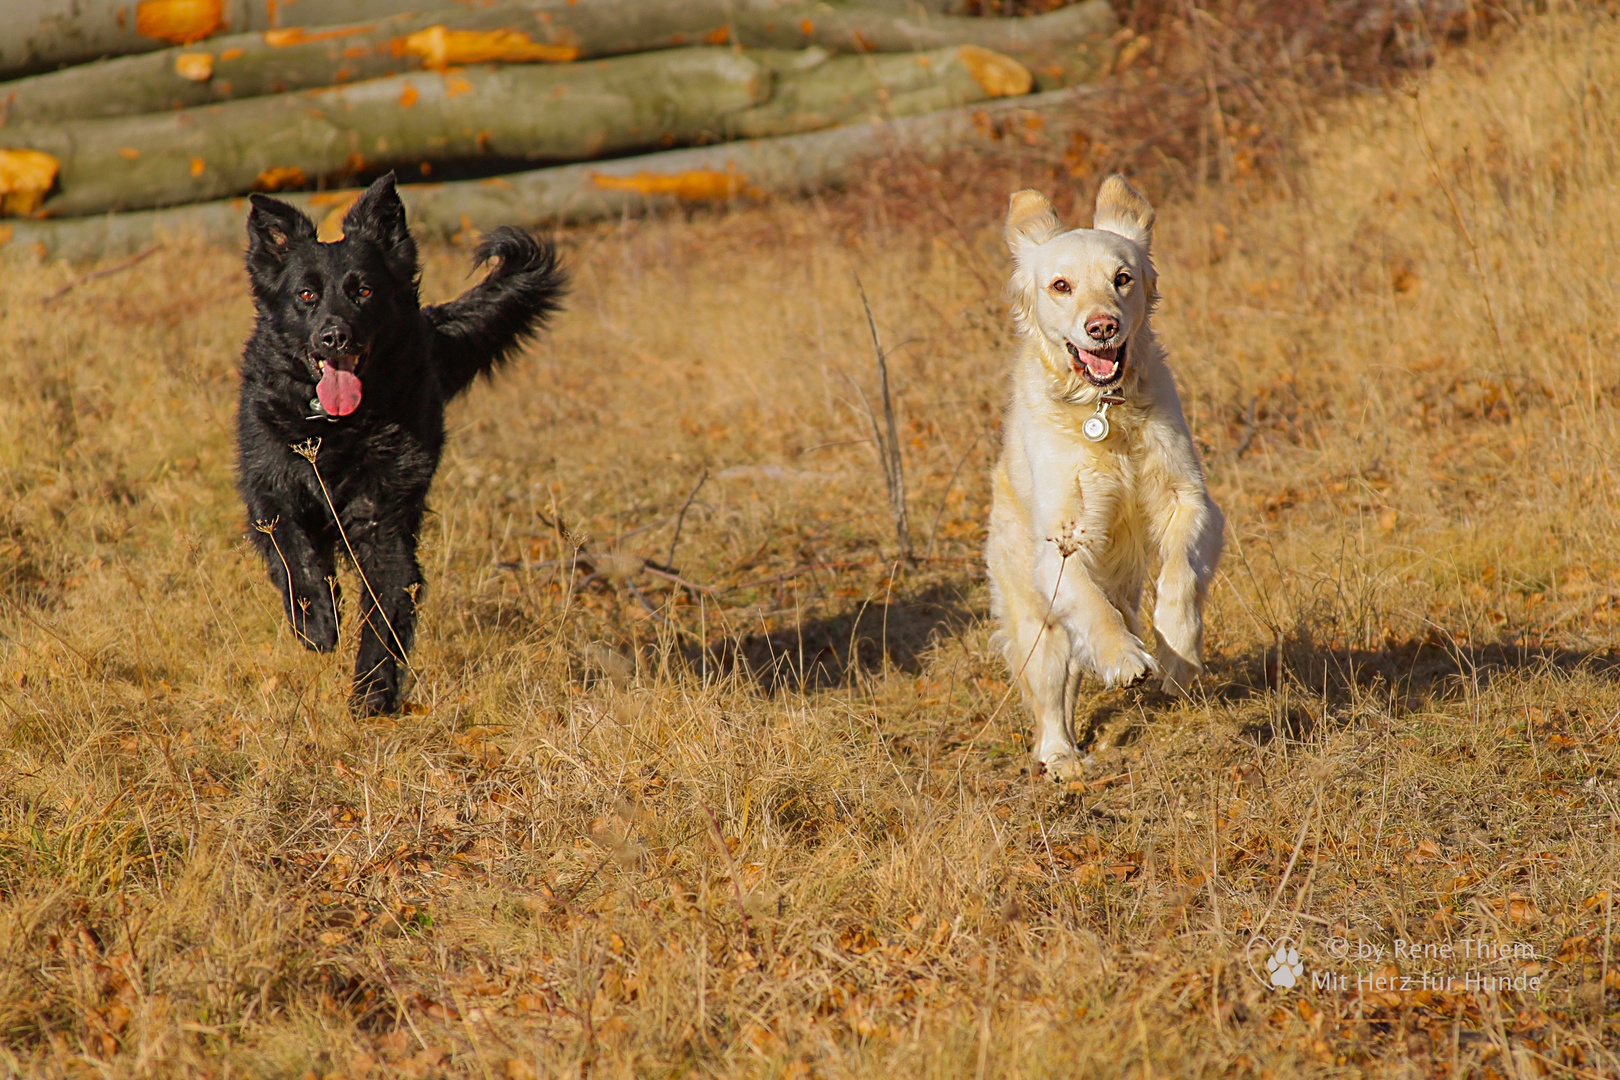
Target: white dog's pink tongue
[(1101, 365), (339, 391)]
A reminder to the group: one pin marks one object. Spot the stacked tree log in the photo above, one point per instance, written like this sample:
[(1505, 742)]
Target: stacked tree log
[(771, 95)]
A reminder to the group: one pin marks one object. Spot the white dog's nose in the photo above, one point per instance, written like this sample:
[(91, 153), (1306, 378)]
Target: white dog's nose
[(1102, 326)]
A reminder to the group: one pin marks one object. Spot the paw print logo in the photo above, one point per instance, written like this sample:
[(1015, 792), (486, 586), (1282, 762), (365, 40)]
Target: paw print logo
[(1282, 969), (1285, 967)]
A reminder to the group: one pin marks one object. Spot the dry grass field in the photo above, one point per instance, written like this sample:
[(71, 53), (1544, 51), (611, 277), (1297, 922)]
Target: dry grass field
[(778, 821)]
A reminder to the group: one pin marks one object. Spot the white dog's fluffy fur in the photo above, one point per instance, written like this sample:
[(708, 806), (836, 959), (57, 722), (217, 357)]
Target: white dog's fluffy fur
[(1075, 525)]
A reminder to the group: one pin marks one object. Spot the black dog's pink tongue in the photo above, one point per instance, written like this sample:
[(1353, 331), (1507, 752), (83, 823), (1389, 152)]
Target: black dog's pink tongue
[(339, 391)]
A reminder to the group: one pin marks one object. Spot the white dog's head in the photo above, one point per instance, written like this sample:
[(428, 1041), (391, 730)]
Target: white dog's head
[(1086, 293)]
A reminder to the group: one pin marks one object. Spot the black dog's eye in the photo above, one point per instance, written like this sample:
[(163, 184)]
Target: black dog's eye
[(363, 291), (307, 295), (1060, 286), (1122, 279)]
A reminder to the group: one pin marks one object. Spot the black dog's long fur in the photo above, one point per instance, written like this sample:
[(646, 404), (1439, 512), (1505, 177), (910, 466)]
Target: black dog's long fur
[(354, 302)]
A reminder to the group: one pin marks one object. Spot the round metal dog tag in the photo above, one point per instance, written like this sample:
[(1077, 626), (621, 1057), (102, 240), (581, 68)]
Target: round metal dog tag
[(1095, 428)]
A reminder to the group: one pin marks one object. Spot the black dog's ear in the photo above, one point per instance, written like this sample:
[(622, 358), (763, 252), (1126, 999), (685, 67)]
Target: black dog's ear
[(273, 228), (379, 216)]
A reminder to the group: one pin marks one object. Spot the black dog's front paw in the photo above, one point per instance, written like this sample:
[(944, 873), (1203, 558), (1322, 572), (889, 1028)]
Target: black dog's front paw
[(375, 694), (315, 626)]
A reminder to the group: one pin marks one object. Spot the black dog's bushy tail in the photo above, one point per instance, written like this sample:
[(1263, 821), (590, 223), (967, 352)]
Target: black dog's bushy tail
[(481, 329)]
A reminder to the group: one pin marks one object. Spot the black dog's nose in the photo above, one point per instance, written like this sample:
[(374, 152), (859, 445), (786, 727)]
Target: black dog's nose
[(1102, 327), (335, 338)]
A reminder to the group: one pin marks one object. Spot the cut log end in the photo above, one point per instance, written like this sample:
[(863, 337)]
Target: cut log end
[(194, 66), (25, 177), (179, 21), (330, 229), (690, 185), (441, 48), (997, 75), (278, 178)]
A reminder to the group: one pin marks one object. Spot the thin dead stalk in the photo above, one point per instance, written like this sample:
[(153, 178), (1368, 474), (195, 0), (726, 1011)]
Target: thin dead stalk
[(888, 442), (680, 519), (52, 297)]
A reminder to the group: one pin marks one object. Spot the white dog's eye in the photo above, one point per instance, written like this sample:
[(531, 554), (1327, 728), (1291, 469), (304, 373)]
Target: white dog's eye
[(1122, 279), (1060, 286)]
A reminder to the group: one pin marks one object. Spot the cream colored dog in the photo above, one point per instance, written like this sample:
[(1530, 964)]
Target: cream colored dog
[(1098, 478)]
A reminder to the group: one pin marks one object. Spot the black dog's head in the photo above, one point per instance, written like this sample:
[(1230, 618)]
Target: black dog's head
[(330, 303)]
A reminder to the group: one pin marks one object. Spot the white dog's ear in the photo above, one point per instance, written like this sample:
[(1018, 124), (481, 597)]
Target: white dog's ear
[(1123, 210), (1030, 221)]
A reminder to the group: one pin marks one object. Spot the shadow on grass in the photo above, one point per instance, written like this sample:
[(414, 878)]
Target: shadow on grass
[(1401, 676), (834, 650)]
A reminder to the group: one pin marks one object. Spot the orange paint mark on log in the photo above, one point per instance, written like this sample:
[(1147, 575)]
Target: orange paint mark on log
[(718, 36), (128, 152), (455, 86), (997, 75), (409, 96), (194, 66), (197, 166), (693, 184), (231, 54), (178, 21), (440, 48), (355, 52), (497, 182), (806, 27), (863, 43), (278, 177), (25, 177), (297, 35)]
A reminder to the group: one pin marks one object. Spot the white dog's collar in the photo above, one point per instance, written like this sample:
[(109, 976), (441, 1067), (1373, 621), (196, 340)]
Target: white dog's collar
[(1096, 426)]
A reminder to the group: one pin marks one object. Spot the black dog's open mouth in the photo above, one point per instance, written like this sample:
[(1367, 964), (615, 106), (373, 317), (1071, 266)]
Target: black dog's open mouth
[(1099, 367), (339, 389)]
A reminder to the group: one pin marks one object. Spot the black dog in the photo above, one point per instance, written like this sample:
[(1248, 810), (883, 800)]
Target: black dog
[(344, 384)]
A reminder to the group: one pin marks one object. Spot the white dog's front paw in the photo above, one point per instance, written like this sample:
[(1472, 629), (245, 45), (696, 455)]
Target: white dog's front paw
[(1124, 661), (1062, 765), (1179, 674)]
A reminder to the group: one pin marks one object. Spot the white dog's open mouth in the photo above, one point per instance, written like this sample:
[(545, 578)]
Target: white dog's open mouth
[(1100, 367)]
